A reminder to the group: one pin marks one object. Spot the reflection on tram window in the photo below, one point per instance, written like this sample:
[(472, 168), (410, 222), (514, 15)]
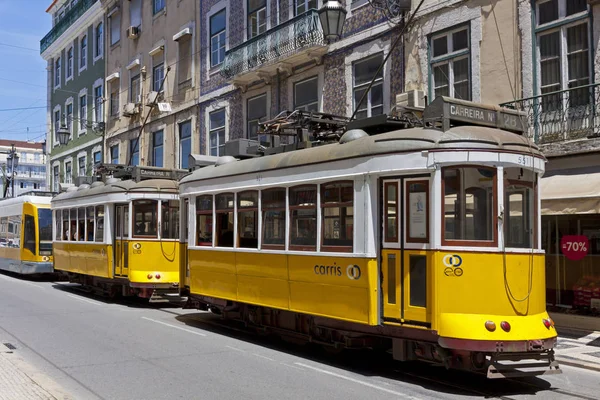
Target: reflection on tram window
[(303, 211), (29, 236), (99, 223), (273, 210), (65, 227), (248, 219), (224, 210), (170, 219), (89, 229), (204, 219), (145, 213), (519, 206), (81, 224), (13, 232), (338, 215), (469, 203)]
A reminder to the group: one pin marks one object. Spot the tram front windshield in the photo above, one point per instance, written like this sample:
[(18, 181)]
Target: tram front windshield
[(45, 224)]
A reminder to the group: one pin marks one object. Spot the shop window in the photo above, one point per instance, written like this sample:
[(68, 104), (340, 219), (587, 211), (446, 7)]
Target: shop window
[(224, 211), (273, 215), (248, 219), (145, 213), (170, 219), (303, 213), (204, 220), (337, 202)]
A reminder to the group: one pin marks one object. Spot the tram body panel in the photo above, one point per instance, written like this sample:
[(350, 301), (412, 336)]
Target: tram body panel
[(147, 258), (84, 258)]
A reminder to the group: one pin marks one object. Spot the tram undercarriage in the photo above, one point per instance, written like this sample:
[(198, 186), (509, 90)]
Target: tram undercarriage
[(403, 343)]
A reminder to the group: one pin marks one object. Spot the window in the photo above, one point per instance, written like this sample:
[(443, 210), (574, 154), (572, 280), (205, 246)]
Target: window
[(247, 219), (157, 149), (170, 219), (23, 184), (83, 52), (97, 157), (391, 211), (218, 24), (99, 223), (364, 71), (56, 123), (257, 17), (158, 5), (337, 203), (520, 211), (256, 112), (80, 225), (450, 64), (158, 73), (82, 168), (564, 53), (99, 40), (68, 172), (70, 117), (469, 206), (70, 63), (303, 213), (114, 154), (185, 143), (303, 6), (274, 216), (89, 227), (204, 220), (217, 132), (145, 218), (306, 94), (417, 211), (135, 13), (134, 89), (82, 112), (134, 149), (58, 225), (98, 102), (115, 28), (224, 212), (55, 177), (185, 59), (57, 72), (29, 237), (114, 100)]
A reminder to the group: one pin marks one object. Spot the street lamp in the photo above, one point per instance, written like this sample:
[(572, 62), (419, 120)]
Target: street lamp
[(63, 135), (332, 16)]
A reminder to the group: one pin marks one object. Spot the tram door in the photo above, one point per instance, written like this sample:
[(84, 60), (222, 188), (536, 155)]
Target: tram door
[(406, 283), (121, 243)]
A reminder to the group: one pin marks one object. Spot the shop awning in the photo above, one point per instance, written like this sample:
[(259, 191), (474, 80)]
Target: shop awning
[(571, 194)]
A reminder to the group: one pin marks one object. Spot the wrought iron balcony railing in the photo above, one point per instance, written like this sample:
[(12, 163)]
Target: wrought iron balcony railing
[(65, 22), (563, 115), (301, 32)]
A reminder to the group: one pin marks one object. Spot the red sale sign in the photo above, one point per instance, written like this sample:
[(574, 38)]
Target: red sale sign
[(575, 247)]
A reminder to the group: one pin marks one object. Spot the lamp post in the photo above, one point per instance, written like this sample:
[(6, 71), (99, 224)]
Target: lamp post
[(332, 15)]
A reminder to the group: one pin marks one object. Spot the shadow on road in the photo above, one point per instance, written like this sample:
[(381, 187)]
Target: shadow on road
[(47, 277)]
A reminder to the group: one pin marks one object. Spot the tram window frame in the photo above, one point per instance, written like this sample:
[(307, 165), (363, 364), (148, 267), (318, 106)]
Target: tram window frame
[(407, 190), (90, 225), (275, 206), (229, 212), (65, 232), (295, 217), (99, 226), (58, 225), (386, 190), (169, 219), (521, 185), (81, 222), (245, 215), (342, 216), (73, 225), (152, 206), (494, 209), (205, 212)]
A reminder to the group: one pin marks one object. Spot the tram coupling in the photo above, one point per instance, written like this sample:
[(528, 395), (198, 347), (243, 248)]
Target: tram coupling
[(508, 365)]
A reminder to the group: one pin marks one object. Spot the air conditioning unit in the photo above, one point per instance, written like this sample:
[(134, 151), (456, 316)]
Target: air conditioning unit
[(411, 99), (130, 109), (152, 97), (133, 32)]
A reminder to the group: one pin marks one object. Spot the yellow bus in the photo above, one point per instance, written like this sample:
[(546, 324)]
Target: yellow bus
[(26, 234)]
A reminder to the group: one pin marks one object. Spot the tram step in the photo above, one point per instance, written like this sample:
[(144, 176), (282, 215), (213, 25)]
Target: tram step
[(509, 365)]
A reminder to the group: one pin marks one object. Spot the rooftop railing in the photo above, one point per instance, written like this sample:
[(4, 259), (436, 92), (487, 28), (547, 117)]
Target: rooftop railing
[(65, 22)]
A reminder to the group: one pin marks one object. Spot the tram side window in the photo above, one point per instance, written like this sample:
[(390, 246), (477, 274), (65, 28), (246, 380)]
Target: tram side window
[(248, 219), (99, 223), (65, 226), (273, 215), (170, 219), (29, 236), (303, 212), (204, 219), (58, 224), (519, 208), (4, 231), (145, 214), (73, 226), (81, 224), (224, 210), (469, 204), (337, 203), (89, 228), (14, 232), (391, 211)]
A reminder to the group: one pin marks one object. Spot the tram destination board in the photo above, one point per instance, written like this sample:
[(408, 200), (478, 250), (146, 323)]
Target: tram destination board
[(447, 110)]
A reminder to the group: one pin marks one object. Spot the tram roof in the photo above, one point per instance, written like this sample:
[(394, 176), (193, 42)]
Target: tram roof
[(41, 200), (466, 137), (118, 186)]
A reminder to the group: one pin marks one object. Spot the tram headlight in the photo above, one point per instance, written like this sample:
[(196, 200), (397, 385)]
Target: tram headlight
[(45, 258)]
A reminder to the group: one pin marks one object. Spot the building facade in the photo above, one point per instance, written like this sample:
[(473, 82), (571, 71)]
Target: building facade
[(152, 58), (31, 167), (74, 50)]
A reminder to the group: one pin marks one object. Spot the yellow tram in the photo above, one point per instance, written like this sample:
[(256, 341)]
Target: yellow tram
[(424, 241), (26, 234), (120, 237)]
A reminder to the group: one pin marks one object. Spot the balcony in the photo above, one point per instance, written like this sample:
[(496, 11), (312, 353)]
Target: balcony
[(70, 17), (563, 116), (295, 42)]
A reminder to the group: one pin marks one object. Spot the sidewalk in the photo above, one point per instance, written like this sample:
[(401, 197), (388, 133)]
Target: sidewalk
[(20, 381), (578, 348)]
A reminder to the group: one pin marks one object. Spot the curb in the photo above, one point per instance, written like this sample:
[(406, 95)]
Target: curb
[(578, 364)]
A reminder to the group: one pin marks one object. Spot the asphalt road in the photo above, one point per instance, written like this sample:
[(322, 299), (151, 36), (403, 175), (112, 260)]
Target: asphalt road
[(98, 349)]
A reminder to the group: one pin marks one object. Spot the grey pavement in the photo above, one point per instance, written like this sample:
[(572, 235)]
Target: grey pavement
[(95, 349), (578, 348)]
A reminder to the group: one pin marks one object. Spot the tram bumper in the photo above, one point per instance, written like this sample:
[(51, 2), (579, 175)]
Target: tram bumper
[(32, 267)]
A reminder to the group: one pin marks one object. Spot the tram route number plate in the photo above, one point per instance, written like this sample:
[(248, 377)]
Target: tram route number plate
[(575, 247)]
